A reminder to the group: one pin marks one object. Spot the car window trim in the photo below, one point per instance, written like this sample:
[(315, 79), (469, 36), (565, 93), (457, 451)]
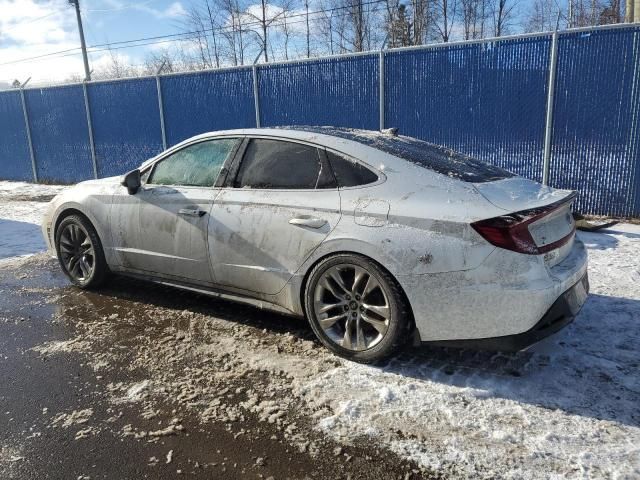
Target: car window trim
[(173, 151), (235, 169), (381, 176)]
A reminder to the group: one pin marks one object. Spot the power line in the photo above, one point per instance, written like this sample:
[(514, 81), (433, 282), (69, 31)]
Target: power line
[(176, 36)]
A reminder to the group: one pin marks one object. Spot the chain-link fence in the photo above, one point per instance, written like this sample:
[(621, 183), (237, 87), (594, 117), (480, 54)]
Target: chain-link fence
[(489, 98)]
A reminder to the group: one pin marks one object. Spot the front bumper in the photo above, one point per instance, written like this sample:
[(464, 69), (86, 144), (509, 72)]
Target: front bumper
[(46, 234), (562, 313)]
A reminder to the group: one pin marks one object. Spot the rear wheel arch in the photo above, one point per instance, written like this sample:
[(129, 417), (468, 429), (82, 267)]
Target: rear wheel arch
[(311, 268), (400, 324)]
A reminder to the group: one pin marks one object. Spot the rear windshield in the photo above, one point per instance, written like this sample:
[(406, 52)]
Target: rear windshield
[(427, 155)]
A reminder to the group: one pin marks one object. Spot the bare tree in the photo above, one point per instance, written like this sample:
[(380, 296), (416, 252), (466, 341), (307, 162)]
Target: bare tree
[(214, 27), (264, 20), (473, 18), (287, 34), (423, 14), (325, 26), (502, 13), (398, 26), (162, 59), (584, 13), (391, 17), (543, 16), (448, 14), (356, 23), (611, 12), (194, 23), (356, 15), (117, 66), (215, 30)]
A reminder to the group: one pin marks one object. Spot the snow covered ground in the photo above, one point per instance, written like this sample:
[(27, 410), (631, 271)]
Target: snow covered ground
[(568, 409), (21, 208)]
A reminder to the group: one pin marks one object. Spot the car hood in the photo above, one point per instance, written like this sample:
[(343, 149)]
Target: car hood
[(101, 181), (516, 193)]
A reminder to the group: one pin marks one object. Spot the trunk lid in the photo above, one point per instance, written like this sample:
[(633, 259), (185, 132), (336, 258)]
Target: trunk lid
[(516, 194), (546, 211)]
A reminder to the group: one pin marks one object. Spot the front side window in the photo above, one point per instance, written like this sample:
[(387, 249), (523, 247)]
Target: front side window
[(276, 164), (197, 165)]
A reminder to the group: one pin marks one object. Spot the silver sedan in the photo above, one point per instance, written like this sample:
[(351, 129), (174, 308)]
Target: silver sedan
[(379, 240)]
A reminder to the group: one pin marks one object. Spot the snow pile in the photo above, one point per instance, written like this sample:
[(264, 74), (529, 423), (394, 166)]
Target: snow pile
[(20, 232), (23, 189), (22, 206)]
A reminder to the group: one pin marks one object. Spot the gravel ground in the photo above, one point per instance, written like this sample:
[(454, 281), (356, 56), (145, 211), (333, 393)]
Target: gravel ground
[(141, 381)]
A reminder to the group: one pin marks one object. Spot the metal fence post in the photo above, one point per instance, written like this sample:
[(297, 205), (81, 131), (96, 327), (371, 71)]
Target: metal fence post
[(256, 98), (161, 109), (548, 130), (381, 88), (28, 127), (90, 129)]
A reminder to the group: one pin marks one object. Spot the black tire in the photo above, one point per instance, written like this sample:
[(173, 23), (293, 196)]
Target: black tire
[(99, 269), (399, 320)]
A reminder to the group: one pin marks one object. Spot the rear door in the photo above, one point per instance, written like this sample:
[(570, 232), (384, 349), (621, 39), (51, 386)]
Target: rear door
[(281, 202), (162, 229)]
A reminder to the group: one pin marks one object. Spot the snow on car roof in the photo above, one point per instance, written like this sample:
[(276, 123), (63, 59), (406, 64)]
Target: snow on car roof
[(434, 157)]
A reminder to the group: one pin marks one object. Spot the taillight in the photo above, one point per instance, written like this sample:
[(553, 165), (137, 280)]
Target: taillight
[(507, 232), (512, 231)]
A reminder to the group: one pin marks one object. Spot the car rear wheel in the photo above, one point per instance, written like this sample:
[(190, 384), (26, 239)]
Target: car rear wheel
[(356, 308), (80, 252)]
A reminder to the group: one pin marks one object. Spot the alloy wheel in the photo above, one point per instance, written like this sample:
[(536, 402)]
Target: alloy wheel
[(77, 252), (352, 307)]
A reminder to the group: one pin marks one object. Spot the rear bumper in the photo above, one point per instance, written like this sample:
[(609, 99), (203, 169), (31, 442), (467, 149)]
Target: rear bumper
[(562, 313)]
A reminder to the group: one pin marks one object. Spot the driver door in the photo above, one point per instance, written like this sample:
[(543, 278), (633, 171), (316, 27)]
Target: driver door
[(162, 229)]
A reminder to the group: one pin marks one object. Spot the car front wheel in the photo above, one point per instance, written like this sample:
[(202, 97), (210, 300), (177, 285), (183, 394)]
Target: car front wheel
[(80, 252), (356, 308)]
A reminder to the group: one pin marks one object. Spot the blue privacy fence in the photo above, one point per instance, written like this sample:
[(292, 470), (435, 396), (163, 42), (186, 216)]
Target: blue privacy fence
[(563, 108)]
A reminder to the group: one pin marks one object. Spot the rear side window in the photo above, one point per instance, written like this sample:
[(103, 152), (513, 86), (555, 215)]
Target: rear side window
[(349, 173), (197, 165), (276, 164)]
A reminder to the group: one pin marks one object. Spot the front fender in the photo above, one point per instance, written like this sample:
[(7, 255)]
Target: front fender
[(97, 209)]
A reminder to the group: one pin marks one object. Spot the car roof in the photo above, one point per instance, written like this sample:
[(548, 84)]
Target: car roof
[(383, 146)]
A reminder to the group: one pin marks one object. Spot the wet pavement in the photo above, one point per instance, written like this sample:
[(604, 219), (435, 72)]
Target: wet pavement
[(142, 381)]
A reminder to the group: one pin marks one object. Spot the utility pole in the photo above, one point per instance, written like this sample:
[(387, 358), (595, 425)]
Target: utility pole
[(306, 6), (264, 32), (87, 73), (570, 15)]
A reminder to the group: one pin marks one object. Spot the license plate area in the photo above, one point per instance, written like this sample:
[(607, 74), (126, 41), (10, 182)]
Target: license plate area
[(577, 295)]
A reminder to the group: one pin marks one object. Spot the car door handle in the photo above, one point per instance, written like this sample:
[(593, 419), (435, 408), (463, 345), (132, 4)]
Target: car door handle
[(191, 212), (305, 221)]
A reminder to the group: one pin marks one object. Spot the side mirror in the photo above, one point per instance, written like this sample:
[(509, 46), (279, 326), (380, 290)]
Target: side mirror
[(132, 181)]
